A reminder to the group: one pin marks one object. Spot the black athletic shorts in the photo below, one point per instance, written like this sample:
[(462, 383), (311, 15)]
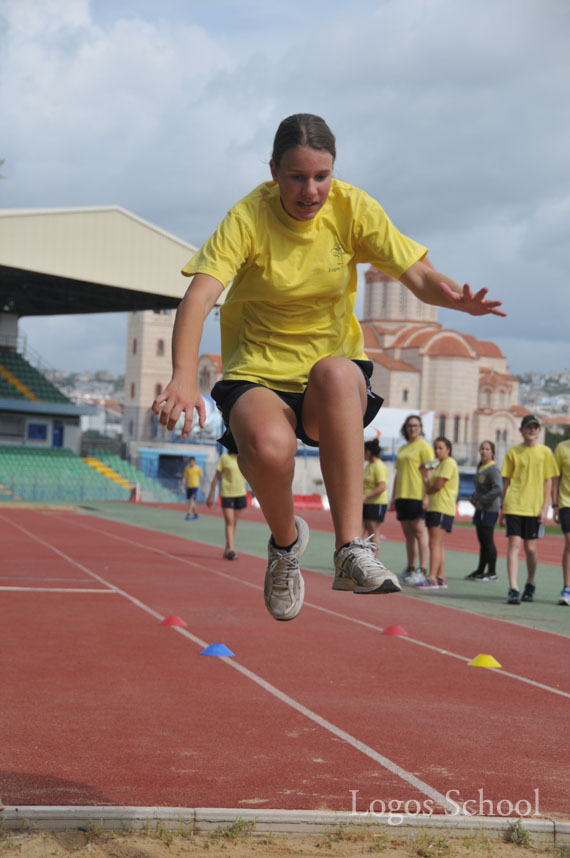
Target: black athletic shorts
[(373, 511), (409, 509), (238, 502), (564, 514), (439, 519), (226, 393), (525, 526), (191, 493)]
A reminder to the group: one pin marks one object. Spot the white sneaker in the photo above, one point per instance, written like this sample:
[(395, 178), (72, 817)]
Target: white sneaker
[(417, 577), (410, 579), (358, 569), (405, 573), (284, 589)]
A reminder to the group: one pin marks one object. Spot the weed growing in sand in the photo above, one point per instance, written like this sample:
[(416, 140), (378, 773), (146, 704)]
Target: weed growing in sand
[(238, 829), (347, 833), (517, 834), (432, 846)]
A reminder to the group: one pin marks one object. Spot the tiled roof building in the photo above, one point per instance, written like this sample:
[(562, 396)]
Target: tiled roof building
[(421, 366)]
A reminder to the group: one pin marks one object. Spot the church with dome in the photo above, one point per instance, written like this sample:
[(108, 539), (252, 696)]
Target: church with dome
[(421, 366)]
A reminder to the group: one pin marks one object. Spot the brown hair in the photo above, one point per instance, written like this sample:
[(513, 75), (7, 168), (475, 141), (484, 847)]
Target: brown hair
[(491, 445), (445, 441), (302, 129), (404, 429), (373, 447)]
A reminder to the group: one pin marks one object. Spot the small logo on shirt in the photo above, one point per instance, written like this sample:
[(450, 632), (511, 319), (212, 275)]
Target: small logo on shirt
[(338, 252)]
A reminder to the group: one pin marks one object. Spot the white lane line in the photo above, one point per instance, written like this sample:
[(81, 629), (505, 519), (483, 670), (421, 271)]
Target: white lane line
[(55, 590), (355, 743), (316, 607), (37, 578)]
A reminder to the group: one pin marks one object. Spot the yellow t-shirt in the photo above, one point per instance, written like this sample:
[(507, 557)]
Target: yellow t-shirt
[(192, 475), (294, 282), (562, 459), (375, 472), (409, 481), (527, 468), (232, 482), (445, 500)]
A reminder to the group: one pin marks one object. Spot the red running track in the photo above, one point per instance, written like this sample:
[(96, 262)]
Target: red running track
[(102, 704)]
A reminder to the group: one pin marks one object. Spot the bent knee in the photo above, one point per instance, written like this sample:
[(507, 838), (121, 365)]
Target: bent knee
[(333, 372), (268, 450)]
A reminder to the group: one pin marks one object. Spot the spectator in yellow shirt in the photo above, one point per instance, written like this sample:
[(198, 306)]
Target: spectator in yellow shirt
[(233, 496), (527, 474), (561, 505), (375, 488), (442, 486), (408, 497), (191, 481)]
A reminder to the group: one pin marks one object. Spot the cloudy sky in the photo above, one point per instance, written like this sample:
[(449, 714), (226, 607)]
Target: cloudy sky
[(454, 114)]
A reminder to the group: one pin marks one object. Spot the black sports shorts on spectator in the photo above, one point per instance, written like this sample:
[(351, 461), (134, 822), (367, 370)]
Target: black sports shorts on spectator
[(564, 514), (439, 519), (373, 511), (408, 509), (239, 502), (525, 526)]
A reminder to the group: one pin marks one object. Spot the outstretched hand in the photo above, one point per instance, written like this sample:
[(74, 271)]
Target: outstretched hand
[(474, 304)]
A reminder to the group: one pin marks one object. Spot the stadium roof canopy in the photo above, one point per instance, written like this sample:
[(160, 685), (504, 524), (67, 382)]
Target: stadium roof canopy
[(87, 260)]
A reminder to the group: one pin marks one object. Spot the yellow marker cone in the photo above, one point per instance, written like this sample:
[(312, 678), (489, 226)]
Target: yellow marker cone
[(483, 660)]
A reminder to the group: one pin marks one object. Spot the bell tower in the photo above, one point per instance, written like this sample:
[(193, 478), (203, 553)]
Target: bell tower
[(388, 300)]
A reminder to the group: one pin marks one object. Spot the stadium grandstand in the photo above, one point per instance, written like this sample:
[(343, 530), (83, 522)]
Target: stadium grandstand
[(71, 261)]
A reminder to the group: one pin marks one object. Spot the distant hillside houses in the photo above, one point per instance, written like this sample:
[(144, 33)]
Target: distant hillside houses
[(546, 392)]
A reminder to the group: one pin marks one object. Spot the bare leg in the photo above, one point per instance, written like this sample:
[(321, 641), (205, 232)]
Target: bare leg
[(263, 427), (422, 538), (436, 553), (409, 532), (566, 560), (340, 435), (531, 559), (513, 561), (230, 526), (371, 527)]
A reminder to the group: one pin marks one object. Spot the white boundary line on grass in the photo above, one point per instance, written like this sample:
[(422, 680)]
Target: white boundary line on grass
[(383, 761), (316, 607)]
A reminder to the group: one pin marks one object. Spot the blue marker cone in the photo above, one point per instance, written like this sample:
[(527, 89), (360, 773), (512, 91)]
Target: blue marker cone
[(217, 649)]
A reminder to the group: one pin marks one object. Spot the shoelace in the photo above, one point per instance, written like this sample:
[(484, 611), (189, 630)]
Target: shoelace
[(281, 577), (370, 563)]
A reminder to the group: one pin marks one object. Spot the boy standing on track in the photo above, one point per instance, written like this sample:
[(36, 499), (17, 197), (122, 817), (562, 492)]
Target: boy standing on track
[(293, 355), (527, 474), (561, 505), (191, 480)]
